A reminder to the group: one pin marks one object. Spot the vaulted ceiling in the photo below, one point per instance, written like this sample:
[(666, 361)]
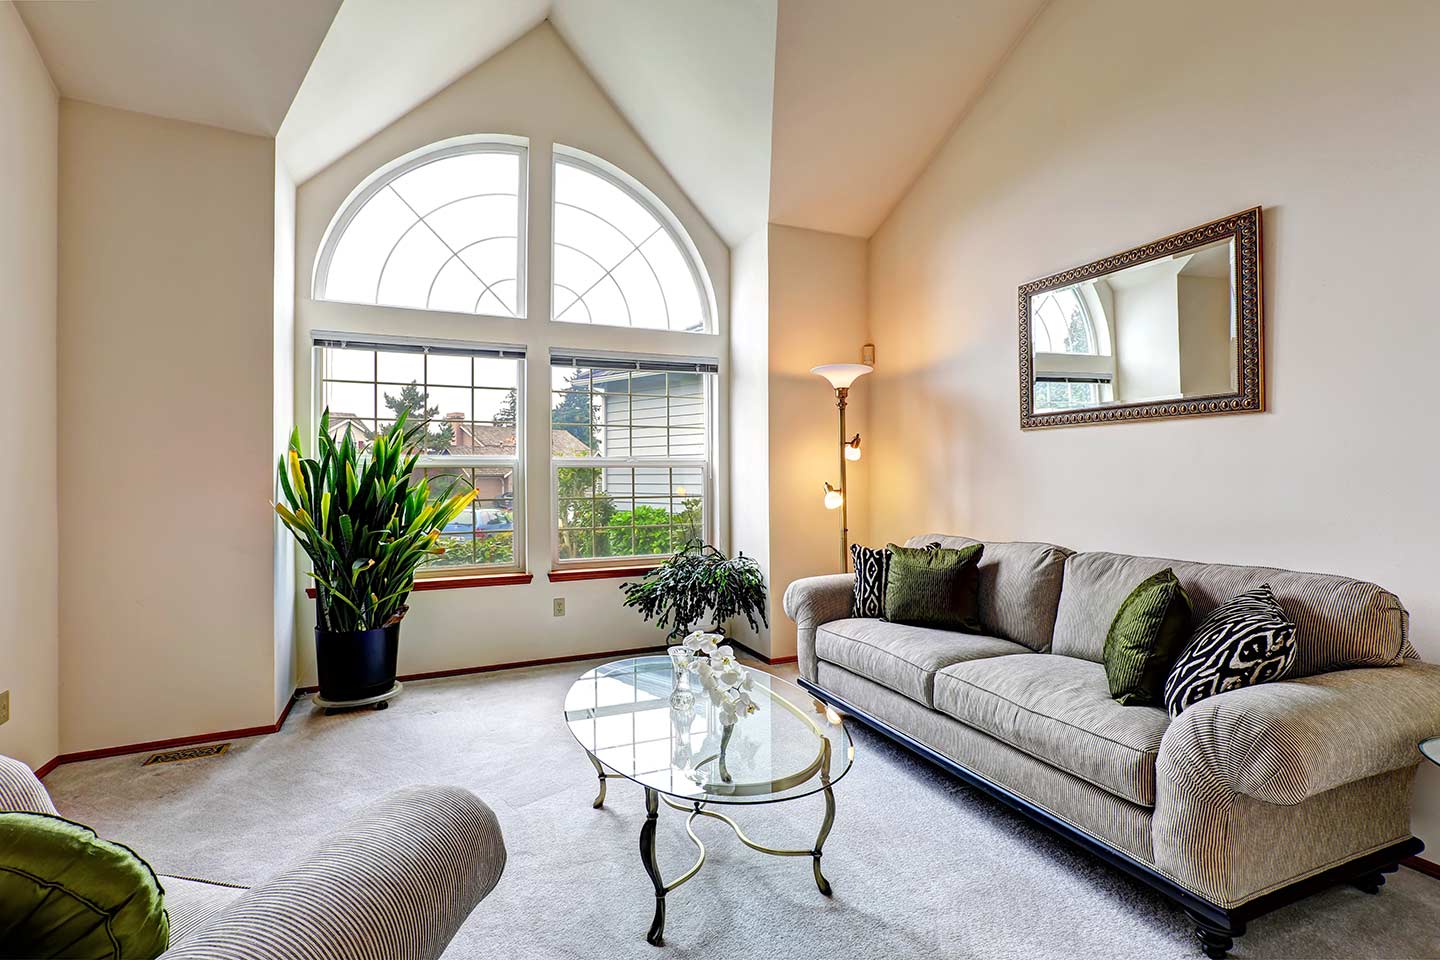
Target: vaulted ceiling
[(811, 113), (227, 63)]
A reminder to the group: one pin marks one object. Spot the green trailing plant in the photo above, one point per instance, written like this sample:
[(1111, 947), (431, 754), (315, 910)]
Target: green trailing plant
[(698, 580), (364, 520)]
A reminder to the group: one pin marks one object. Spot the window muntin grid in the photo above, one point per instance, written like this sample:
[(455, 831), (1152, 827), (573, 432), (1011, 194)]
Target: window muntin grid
[(619, 258), (442, 230), (473, 424), (634, 479)]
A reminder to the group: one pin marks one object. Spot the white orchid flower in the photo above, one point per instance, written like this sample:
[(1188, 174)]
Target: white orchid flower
[(749, 682), (694, 640)]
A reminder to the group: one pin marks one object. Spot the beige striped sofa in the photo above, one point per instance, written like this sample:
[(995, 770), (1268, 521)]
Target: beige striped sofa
[(395, 883), (1246, 801)]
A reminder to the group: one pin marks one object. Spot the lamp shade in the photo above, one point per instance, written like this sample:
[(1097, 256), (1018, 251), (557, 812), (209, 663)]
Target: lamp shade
[(841, 375)]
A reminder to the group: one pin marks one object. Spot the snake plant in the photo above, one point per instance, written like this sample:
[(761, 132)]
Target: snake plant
[(365, 521)]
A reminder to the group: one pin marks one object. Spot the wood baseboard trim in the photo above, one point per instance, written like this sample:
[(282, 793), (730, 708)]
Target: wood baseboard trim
[(152, 745), (1428, 867), (520, 664), (772, 661), (169, 744)]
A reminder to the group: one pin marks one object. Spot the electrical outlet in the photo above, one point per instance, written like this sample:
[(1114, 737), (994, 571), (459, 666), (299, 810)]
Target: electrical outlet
[(4, 705), (867, 354), (559, 606)]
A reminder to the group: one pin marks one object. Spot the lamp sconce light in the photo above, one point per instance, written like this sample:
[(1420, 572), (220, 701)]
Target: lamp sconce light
[(841, 376)]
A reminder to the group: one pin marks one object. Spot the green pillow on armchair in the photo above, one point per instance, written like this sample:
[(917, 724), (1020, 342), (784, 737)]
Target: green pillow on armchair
[(64, 892)]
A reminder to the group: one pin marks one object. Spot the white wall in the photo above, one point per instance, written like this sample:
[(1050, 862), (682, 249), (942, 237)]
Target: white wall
[(166, 407), (536, 89), (817, 315), (282, 420), (749, 416), (1322, 111), (29, 643)]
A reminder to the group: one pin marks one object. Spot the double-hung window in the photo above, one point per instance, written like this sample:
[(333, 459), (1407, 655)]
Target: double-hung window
[(631, 443), (464, 402)]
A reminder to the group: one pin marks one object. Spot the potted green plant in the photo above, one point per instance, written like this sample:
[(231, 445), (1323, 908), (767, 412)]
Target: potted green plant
[(366, 522), (698, 580)]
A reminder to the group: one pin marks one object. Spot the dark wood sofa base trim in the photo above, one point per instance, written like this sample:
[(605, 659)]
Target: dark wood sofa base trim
[(1216, 927)]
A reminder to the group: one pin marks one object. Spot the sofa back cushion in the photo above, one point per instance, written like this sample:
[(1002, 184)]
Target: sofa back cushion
[(1340, 622), (1019, 587)]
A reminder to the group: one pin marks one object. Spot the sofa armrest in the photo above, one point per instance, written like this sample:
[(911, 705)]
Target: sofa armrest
[(811, 602), (1321, 766), (1286, 741), (396, 882), (20, 790)]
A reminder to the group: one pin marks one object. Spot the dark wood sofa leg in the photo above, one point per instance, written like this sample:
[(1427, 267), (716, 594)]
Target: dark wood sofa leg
[(1214, 939), (1369, 882)]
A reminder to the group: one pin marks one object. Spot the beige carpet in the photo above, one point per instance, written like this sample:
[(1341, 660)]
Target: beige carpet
[(921, 865)]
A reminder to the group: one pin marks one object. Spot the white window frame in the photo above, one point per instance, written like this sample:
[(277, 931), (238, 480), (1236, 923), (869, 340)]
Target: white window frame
[(641, 194), (705, 464), (516, 463), (441, 150)]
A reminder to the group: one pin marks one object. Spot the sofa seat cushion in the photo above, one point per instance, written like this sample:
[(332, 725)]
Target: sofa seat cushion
[(901, 657), (1058, 709)]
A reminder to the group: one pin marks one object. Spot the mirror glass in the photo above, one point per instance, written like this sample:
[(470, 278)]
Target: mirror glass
[(1161, 330)]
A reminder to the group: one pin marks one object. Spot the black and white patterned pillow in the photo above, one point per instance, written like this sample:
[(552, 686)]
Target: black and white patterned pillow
[(872, 570), (1248, 639)]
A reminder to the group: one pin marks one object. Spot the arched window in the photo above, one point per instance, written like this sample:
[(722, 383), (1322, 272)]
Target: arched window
[(1061, 324), (620, 257), (440, 229)]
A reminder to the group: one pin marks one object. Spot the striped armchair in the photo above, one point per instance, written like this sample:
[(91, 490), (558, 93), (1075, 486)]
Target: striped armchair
[(395, 883)]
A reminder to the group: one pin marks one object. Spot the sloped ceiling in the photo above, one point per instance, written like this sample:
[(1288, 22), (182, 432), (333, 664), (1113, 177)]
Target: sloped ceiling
[(695, 79), (810, 113), (383, 58), (866, 91), (217, 62)]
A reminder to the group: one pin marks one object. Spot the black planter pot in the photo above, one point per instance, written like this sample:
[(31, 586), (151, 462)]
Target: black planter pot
[(356, 664)]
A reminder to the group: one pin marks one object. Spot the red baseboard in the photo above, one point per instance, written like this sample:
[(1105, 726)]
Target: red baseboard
[(171, 743), (1428, 867), (772, 661)]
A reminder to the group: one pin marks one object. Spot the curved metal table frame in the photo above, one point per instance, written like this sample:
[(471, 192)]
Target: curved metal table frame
[(699, 808)]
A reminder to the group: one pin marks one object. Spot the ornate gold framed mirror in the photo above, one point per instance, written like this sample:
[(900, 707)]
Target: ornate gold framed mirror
[(1174, 328)]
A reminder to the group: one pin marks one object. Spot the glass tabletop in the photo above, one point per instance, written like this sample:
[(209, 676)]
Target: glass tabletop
[(652, 722), (1431, 749)]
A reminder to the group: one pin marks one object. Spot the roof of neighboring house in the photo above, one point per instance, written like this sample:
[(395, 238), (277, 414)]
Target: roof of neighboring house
[(473, 439)]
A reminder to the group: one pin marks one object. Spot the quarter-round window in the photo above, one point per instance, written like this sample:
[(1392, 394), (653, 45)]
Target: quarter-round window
[(620, 257), (440, 229), (1062, 324)]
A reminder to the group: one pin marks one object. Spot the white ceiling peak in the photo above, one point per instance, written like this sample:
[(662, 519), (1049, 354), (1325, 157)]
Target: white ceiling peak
[(216, 62), (866, 91), (382, 59)]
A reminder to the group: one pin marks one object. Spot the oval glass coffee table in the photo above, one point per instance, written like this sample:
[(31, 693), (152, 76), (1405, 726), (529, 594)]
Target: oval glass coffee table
[(649, 721)]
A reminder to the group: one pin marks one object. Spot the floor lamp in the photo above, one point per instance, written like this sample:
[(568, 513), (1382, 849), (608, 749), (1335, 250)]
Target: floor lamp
[(841, 376)]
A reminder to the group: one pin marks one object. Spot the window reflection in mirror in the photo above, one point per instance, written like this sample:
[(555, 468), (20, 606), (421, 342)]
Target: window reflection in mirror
[(1160, 330)]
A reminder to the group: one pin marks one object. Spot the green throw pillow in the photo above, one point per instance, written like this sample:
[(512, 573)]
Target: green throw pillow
[(1150, 629), (930, 587), (64, 892)]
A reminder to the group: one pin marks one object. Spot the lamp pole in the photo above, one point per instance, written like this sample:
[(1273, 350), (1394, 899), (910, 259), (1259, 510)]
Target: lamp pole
[(841, 393), (841, 376)]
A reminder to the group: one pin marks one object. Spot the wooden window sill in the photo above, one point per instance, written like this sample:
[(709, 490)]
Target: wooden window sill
[(460, 583), (599, 573)]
